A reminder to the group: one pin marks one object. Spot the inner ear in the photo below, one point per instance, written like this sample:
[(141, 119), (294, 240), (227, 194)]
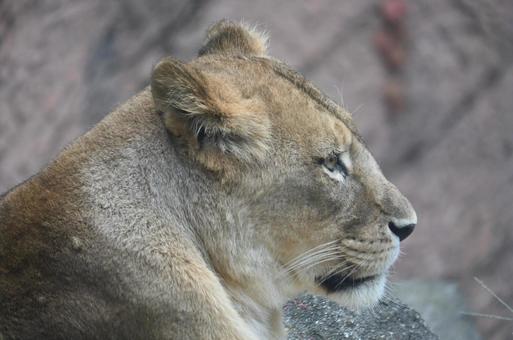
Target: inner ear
[(208, 114), (226, 37)]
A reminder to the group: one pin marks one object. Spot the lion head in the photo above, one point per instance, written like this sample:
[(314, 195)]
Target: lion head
[(289, 170)]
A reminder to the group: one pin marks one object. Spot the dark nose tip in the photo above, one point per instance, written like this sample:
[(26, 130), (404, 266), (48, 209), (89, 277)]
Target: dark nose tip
[(401, 231)]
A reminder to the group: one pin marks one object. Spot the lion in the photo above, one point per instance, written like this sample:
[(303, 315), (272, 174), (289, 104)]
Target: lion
[(199, 207)]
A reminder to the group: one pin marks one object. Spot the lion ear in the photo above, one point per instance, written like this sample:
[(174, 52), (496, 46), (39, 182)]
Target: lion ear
[(174, 85), (207, 113), (227, 37)]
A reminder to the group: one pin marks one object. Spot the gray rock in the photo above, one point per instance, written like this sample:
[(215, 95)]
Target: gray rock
[(313, 317)]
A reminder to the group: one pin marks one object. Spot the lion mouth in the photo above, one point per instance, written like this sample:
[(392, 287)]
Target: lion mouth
[(338, 282)]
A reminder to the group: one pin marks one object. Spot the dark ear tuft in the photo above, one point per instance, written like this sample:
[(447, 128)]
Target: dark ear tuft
[(227, 37)]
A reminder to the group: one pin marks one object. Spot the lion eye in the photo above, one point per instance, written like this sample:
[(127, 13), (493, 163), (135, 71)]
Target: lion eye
[(334, 164)]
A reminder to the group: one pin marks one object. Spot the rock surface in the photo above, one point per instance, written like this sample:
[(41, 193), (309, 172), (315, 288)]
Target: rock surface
[(314, 318)]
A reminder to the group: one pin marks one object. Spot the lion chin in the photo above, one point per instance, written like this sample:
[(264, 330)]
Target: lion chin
[(353, 293)]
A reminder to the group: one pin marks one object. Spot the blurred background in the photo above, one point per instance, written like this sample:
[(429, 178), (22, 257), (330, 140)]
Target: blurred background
[(429, 82)]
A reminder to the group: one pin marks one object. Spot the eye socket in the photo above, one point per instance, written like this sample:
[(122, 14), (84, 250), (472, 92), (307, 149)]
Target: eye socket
[(333, 163)]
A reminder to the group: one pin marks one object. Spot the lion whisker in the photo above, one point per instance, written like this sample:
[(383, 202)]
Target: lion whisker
[(357, 266), (332, 258), (311, 260), (322, 246), (311, 253)]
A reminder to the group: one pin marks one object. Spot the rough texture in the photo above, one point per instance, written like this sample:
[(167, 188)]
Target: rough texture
[(64, 64), (312, 317)]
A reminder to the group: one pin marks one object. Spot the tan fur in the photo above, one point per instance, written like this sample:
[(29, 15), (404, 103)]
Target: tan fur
[(226, 37), (195, 210)]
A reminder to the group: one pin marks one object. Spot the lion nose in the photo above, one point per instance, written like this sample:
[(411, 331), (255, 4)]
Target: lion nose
[(401, 230)]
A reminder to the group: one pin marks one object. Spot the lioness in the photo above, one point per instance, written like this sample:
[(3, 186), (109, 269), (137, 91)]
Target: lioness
[(195, 210)]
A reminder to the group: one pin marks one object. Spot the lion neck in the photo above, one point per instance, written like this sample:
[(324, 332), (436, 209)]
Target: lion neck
[(236, 253)]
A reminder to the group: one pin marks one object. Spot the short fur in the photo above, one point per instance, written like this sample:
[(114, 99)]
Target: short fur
[(196, 209)]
